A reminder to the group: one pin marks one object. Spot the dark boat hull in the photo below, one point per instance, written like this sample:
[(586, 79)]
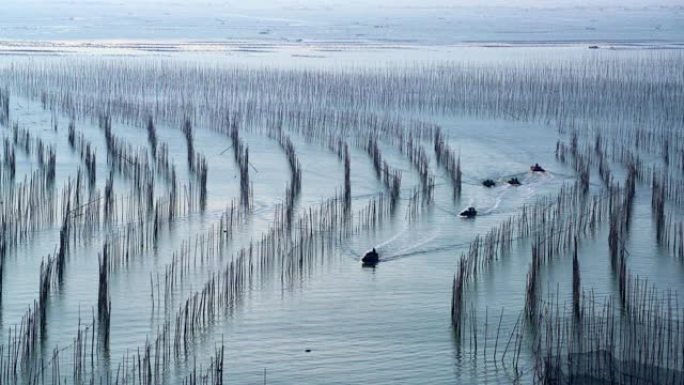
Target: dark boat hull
[(370, 259), (468, 213)]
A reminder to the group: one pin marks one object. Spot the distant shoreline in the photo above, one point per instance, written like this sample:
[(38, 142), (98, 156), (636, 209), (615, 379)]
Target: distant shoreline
[(9, 47)]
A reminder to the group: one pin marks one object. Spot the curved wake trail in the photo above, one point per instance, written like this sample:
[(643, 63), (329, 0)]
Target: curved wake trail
[(531, 182), (430, 250)]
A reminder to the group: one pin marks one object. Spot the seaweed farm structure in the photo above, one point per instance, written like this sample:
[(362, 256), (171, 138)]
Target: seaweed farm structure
[(203, 222)]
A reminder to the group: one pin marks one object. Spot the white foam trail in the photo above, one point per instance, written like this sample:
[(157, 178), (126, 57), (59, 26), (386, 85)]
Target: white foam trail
[(497, 202), (430, 239), (409, 250), (388, 241)]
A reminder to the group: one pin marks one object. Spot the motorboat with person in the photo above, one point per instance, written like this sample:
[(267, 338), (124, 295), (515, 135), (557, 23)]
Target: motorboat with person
[(514, 182), (470, 212), (488, 183), (537, 168), (371, 258)]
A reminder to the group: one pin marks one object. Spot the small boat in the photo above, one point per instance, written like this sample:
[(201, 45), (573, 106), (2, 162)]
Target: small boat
[(488, 183), (470, 212), (593, 47), (371, 258), (537, 168), (514, 182)]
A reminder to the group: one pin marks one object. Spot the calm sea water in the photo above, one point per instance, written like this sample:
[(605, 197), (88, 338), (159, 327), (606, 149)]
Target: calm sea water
[(386, 325)]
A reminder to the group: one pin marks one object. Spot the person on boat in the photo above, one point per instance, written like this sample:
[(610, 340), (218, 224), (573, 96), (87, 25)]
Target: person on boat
[(537, 168), (514, 182), (488, 183), (371, 258), (470, 212)]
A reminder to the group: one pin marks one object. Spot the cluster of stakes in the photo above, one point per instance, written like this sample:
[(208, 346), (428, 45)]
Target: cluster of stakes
[(126, 203)]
